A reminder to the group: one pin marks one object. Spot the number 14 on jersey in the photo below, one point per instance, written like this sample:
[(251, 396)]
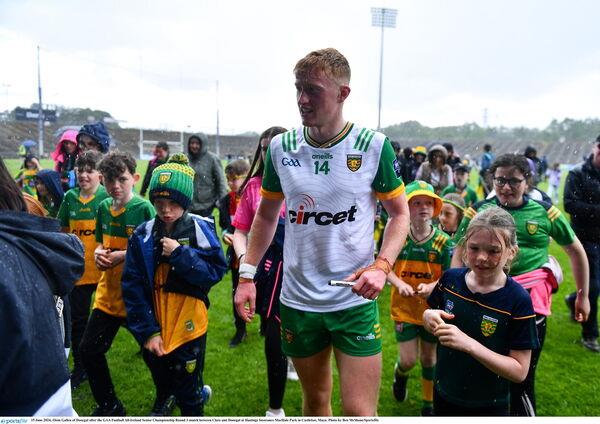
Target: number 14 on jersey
[(322, 167)]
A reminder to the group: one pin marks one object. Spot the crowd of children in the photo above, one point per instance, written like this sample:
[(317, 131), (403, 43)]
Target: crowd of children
[(150, 264)]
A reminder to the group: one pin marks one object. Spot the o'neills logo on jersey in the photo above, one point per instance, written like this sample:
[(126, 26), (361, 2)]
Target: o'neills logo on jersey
[(304, 215)]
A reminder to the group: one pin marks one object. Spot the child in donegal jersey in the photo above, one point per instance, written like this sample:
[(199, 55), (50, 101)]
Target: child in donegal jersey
[(484, 321), (172, 262), (117, 218), (426, 254), (77, 215)]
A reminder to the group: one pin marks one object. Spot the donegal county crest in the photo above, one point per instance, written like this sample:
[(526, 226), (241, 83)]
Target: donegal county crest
[(164, 177), (488, 325), (532, 227), (353, 162), (190, 366), (129, 229)]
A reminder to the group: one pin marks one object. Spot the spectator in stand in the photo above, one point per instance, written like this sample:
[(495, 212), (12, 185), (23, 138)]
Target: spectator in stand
[(209, 183), (452, 159), (64, 157), (161, 156), (434, 170), (582, 201)]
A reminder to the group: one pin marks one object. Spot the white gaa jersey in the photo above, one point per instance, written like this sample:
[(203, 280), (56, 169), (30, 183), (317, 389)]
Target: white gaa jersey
[(330, 194)]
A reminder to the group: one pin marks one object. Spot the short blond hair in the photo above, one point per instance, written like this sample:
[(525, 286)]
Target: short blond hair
[(329, 60)]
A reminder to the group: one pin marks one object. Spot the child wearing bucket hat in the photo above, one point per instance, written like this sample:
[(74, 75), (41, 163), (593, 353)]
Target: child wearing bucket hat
[(452, 213), (426, 254), (172, 263)]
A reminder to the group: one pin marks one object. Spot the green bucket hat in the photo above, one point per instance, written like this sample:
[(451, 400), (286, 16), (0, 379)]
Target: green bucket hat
[(173, 180), (421, 188)]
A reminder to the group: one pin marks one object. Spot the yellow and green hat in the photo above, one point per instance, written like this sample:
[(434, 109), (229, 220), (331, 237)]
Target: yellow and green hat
[(421, 150), (173, 180), (421, 188)]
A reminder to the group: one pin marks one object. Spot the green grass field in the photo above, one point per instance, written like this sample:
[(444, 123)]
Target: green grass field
[(566, 377)]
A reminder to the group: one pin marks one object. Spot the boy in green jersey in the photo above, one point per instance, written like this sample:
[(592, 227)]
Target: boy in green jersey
[(460, 186), (117, 218), (77, 215)]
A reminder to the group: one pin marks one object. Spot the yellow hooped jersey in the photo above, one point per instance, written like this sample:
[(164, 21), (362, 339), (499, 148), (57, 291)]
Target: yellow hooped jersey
[(422, 262), (78, 214), (113, 229)]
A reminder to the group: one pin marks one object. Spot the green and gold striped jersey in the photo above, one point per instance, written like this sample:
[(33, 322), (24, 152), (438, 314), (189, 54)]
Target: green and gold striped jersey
[(113, 229), (78, 215)]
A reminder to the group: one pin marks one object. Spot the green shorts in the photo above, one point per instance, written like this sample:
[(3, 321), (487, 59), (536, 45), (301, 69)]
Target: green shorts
[(406, 331), (355, 331)]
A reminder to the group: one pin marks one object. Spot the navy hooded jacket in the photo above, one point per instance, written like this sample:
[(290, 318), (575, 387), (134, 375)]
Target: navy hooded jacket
[(196, 266), (38, 262), (98, 132)]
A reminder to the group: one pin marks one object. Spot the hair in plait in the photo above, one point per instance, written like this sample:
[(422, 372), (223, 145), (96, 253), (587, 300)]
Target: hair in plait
[(496, 221)]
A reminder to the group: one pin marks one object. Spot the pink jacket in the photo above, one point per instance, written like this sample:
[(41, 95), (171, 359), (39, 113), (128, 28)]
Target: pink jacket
[(58, 155)]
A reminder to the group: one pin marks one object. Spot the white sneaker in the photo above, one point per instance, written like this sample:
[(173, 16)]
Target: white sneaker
[(291, 371), (275, 413)]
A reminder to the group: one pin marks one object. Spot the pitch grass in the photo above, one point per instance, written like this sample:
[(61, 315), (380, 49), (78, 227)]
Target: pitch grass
[(566, 382)]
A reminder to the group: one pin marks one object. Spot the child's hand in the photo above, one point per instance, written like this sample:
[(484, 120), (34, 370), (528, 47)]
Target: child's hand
[(116, 257), (228, 239), (433, 318), (102, 259), (424, 290), (168, 245), (155, 345), (451, 336), (404, 289)]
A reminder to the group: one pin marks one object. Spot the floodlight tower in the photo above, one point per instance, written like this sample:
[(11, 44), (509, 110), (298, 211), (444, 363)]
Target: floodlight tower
[(383, 18)]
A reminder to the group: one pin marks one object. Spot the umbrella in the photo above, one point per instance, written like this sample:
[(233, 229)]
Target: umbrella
[(29, 143)]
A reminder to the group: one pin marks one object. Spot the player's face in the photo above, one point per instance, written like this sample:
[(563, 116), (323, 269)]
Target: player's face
[(167, 210), (485, 253), (449, 218), (319, 99), (87, 178), (120, 188), (421, 208), (510, 186), (460, 179)]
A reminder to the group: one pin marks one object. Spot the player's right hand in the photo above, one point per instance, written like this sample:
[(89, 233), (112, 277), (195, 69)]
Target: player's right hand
[(245, 300), (433, 318)]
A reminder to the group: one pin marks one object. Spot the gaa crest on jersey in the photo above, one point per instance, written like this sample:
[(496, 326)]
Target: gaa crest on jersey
[(397, 169), (449, 306), (431, 256), (190, 366), (353, 162), (532, 227), (129, 229), (488, 325), (164, 177)]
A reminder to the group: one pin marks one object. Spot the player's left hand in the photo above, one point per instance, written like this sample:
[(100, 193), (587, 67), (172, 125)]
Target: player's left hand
[(169, 245)]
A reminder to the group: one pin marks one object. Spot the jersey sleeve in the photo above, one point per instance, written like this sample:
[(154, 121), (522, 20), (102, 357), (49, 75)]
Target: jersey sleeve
[(388, 183), (447, 251), (63, 212), (99, 223), (271, 185), (522, 332), (560, 229)]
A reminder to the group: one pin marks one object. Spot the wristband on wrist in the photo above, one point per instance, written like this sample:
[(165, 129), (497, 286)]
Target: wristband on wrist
[(247, 271), (380, 263)]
